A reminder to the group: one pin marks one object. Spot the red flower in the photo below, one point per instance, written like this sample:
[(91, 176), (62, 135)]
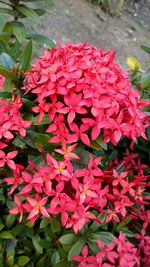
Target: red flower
[(8, 159)]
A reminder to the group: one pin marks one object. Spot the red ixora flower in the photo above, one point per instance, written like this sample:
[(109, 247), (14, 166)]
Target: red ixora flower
[(92, 92)]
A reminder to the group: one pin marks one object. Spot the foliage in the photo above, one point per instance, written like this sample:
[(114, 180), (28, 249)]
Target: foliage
[(74, 155)]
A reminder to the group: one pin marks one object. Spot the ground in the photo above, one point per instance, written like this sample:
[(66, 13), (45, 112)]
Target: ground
[(80, 20)]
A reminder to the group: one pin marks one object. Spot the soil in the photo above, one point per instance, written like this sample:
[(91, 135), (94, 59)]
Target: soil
[(81, 20)]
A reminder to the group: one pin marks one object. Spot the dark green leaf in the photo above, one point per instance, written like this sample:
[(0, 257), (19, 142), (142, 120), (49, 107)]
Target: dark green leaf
[(95, 225), (41, 39), (145, 80), (146, 48), (19, 31), (6, 235), (14, 50), (41, 262), (8, 30), (68, 239), (7, 60), (44, 223), (126, 231), (26, 56), (17, 229), (35, 240), (44, 243), (2, 47), (29, 12), (76, 249), (106, 237), (40, 11), (23, 260), (10, 220), (55, 258)]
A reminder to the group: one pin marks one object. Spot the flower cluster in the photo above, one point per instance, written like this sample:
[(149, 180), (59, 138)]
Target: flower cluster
[(85, 93), (58, 189), (11, 123), (120, 253)]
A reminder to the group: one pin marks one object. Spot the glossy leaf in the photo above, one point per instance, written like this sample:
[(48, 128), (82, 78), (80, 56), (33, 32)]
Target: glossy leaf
[(41, 39), (7, 60), (68, 239), (23, 260), (76, 249), (8, 30), (29, 12), (6, 235), (26, 56), (106, 237), (19, 31), (35, 240)]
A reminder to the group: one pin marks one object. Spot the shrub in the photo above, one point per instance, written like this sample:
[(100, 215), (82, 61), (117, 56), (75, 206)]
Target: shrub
[(72, 171)]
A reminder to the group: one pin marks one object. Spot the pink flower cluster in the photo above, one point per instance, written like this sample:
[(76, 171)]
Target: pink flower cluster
[(85, 93), (120, 253), (55, 188), (11, 123)]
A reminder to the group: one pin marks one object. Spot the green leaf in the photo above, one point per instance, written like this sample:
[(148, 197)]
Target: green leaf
[(2, 47), (106, 237), (6, 235), (95, 225), (1, 225), (29, 12), (35, 240), (23, 260), (6, 11), (44, 243), (7, 61), (17, 229), (14, 50), (8, 74), (10, 220), (44, 223), (55, 258), (126, 231), (145, 80), (62, 263), (8, 30), (40, 11), (41, 39), (19, 31), (26, 56), (41, 262), (146, 48), (76, 248), (68, 239)]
